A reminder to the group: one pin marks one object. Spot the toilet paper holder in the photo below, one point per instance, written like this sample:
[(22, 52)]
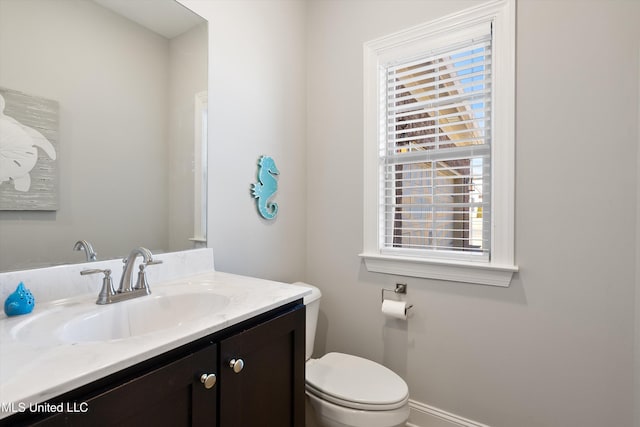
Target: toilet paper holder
[(401, 288)]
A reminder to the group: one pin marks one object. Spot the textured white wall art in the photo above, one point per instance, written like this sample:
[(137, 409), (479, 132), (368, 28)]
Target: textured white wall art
[(28, 152)]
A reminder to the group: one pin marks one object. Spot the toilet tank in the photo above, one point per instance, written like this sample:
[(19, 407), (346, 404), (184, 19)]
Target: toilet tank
[(312, 305)]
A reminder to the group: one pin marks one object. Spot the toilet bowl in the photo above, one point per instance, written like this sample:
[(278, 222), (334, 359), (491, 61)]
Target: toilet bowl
[(350, 391)]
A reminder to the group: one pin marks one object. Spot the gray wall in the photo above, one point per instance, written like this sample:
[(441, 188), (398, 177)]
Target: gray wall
[(257, 106), (555, 348)]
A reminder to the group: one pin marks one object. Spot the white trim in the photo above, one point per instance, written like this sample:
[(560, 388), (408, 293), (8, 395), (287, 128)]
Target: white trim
[(455, 271), (199, 158), (503, 154), (423, 415), (502, 264)]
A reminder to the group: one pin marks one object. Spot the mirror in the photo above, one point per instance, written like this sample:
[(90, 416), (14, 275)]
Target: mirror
[(129, 80)]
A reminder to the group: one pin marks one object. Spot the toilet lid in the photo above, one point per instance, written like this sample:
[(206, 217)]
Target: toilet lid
[(355, 382)]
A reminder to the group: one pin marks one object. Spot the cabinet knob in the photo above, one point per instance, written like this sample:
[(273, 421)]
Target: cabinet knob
[(236, 365), (209, 380)]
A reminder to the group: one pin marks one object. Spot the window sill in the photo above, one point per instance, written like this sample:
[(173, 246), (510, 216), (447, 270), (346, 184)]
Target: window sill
[(467, 272)]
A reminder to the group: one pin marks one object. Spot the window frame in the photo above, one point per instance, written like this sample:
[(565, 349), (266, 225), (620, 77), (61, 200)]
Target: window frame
[(499, 269)]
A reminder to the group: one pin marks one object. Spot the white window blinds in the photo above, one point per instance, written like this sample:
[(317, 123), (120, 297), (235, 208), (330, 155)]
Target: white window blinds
[(435, 152)]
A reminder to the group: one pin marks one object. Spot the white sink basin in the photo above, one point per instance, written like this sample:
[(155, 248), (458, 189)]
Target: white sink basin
[(76, 323)]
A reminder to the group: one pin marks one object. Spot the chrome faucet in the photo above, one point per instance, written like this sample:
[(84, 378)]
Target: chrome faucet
[(127, 271), (84, 245)]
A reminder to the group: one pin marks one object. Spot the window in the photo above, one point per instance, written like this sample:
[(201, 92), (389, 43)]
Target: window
[(437, 155), (439, 145)]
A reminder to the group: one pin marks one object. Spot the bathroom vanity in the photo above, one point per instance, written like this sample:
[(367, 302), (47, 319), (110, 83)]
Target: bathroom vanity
[(239, 364)]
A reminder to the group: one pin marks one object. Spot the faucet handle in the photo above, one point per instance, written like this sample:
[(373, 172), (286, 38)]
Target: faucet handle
[(142, 282), (107, 291)]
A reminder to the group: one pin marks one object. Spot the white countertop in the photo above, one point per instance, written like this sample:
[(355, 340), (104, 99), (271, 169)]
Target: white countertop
[(33, 371)]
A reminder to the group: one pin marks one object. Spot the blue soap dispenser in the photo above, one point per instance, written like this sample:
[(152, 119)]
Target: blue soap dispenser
[(21, 301)]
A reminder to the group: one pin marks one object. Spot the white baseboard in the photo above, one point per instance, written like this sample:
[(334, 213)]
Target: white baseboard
[(423, 415)]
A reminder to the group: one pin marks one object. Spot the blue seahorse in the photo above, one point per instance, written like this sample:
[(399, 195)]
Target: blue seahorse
[(266, 187)]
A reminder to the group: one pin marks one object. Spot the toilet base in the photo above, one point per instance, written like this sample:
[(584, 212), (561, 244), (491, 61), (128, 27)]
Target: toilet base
[(326, 414), (310, 417)]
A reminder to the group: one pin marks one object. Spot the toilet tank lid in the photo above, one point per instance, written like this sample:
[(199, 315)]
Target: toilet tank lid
[(313, 296), (349, 378)]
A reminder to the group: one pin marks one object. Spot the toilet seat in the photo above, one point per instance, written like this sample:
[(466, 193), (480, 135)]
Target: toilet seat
[(357, 383)]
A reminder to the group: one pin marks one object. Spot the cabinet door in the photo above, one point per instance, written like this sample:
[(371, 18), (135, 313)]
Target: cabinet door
[(171, 396), (269, 389)]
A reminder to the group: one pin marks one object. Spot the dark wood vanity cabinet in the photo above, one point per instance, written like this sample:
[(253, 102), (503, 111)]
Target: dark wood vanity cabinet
[(259, 382), (171, 395), (262, 375)]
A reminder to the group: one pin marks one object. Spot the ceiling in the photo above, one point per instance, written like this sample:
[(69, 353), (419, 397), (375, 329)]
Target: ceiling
[(165, 17)]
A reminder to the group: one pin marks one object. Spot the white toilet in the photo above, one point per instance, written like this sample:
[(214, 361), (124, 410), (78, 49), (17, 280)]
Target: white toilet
[(349, 391)]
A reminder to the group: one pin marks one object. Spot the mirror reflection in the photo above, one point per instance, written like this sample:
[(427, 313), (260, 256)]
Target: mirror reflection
[(130, 88)]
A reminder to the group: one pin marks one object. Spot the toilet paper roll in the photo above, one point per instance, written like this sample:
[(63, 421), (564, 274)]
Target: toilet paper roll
[(397, 309)]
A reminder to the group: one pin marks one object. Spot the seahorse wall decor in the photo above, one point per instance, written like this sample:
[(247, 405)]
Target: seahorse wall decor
[(266, 187)]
